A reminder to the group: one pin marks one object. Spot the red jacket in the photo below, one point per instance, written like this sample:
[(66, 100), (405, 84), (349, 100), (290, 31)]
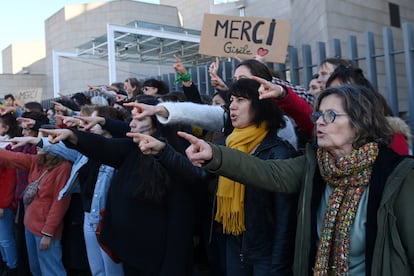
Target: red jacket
[(45, 214), (298, 109), (399, 144), (7, 186)]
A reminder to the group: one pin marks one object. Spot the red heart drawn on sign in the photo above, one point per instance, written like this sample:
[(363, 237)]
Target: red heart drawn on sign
[(262, 52)]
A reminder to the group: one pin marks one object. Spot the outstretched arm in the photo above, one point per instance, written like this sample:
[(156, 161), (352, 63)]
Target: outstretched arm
[(57, 135), (171, 159), (205, 116), (274, 175)]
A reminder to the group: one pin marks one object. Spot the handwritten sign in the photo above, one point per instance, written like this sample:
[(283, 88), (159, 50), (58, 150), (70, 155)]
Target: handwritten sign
[(245, 37), (29, 95)]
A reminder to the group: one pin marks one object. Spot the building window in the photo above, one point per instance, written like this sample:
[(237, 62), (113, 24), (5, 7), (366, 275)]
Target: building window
[(395, 20), (217, 2)]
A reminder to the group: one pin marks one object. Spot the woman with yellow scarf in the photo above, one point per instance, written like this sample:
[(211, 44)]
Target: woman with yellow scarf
[(260, 225)]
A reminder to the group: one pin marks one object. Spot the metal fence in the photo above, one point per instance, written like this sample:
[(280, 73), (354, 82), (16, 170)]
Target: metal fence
[(393, 68)]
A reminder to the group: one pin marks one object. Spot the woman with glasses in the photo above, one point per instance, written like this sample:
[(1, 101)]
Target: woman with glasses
[(401, 139), (355, 213)]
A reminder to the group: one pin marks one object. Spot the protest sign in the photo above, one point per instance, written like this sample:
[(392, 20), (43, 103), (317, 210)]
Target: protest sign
[(245, 37), (29, 95)]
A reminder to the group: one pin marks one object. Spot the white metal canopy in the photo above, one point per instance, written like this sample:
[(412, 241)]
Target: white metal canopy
[(138, 41)]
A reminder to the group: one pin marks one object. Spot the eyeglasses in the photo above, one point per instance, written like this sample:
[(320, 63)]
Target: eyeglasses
[(328, 116)]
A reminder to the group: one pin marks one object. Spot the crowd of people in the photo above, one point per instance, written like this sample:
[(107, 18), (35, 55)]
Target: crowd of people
[(262, 178)]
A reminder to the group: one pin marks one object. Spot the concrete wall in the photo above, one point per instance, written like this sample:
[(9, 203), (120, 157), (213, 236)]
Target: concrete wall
[(193, 14), (74, 25), (14, 83), (22, 54)]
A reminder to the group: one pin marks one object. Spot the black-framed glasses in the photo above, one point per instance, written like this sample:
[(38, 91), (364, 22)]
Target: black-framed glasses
[(328, 116)]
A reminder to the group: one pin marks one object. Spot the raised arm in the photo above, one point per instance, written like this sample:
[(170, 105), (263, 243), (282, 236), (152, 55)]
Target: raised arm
[(58, 149), (111, 152)]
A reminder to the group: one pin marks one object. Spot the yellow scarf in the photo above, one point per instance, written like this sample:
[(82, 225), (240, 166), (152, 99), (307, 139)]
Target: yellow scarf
[(230, 194)]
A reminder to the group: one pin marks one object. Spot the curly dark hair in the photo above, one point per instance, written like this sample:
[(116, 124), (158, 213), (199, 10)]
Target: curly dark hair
[(365, 111)]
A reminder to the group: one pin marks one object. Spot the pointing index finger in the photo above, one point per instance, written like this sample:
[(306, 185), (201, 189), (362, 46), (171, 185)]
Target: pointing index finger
[(259, 80), (190, 138)]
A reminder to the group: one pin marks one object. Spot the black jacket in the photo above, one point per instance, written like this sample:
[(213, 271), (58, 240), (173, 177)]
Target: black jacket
[(152, 236), (270, 218)]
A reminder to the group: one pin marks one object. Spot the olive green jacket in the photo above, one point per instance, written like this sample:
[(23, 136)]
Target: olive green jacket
[(394, 245)]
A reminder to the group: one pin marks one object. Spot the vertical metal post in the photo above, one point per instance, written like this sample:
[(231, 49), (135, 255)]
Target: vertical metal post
[(320, 52), (336, 48), (294, 65), (56, 70), (110, 33), (370, 58), (281, 69), (307, 64), (56, 79), (409, 68), (390, 70), (353, 49)]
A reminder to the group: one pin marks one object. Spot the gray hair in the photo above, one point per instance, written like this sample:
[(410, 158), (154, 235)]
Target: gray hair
[(365, 111)]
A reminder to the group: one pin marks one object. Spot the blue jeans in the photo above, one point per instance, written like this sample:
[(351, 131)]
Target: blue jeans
[(99, 262), (44, 262), (259, 266), (8, 247)]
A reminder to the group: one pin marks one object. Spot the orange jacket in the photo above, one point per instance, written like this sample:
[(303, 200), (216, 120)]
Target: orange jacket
[(45, 214)]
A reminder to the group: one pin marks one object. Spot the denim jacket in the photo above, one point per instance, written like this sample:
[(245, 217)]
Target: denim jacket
[(73, 185), (78, 160), (99, 194)]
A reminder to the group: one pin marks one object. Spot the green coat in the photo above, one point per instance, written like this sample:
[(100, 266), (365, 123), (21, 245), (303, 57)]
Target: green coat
[(393, 252)]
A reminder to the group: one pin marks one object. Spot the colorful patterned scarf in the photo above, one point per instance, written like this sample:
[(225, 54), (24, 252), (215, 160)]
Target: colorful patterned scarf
[(230, 194), (349, 176)]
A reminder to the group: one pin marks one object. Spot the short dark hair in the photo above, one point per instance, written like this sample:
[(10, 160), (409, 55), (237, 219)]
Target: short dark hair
[(110, 112), (160, 85), (264, 110), (257, 68), (39, 117), (336, 61), (354, 75), (9, 120), (365, 111), (7, 96), (34, 106), (69, 103), (81, 99)]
